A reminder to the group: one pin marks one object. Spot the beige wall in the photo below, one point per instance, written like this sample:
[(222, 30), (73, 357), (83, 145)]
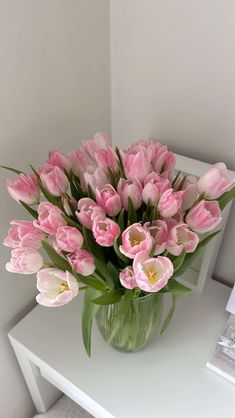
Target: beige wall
[(54, 84), (173, 78)]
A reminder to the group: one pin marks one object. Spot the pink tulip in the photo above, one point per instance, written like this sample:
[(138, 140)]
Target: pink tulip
[(58, 159), (190, 188), (132, 189), (25, 261), (80, 162), (56, 287), (97, 178), (215, 181), (106, 158), (162, 159), (49, 218), (152, 274), (89, 211), (98, 142), (180, 239), (135, 239), (137, 164), (25, 188), (154, 187), (23, 234), (158, 231), (127, 278), (204, 216), (82, 262), (170, 202), (69, 239), (105, 231), (54, 180), (108, 199)]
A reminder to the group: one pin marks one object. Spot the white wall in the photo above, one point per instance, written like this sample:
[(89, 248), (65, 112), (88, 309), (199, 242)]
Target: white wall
[(173, 66), (54, 84)]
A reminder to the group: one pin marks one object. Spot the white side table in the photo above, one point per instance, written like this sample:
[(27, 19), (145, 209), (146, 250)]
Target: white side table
[(168, 379)]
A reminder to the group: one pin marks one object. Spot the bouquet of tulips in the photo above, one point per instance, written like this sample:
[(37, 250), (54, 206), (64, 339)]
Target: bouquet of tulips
[(116, 224)]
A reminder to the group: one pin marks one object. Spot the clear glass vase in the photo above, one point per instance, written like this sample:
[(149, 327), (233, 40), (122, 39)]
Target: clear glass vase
[(134, 329)]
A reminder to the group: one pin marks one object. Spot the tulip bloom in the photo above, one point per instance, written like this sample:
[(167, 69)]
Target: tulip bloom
[(204, 216), (170, 202), (54, 180), (24, 188), (23, 234), (190, 189), (127, 278), (154, 187), (69, 239), (56, 287), (152, 274), (180, 239), (132, 189), (49, 218), (59, 159), (136, 163), (25, 261), (106, 158), (96, 178), (162, 159), (158, 231), (109, 200), (105, 231), (89, 211), (82, 262), (215, 181), (135, 239)]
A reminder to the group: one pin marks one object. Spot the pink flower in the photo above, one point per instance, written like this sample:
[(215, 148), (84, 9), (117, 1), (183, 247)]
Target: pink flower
[(82, 262), (60, 160), (154, 187), (106, 158), (109, 200), (132, 189), (54, 180), (49, 218), (97, 178), (98, 142), (190, 188), (56, 287), (170, 202), (162, 159), (158, 231), (152, 274), (137, 164), (80, 162), (135, 239), (69, 239), (127, 278), (180, 239), (25, 188), (23, 234), (25, 260), (215, 181), (204, 216), (89, 211), (105, 231), (68, 203)]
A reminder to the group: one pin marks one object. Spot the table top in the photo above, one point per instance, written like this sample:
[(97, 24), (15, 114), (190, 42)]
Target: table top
[(167, 379)]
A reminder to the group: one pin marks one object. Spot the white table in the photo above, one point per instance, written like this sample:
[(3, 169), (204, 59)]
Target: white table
[(168, 379)]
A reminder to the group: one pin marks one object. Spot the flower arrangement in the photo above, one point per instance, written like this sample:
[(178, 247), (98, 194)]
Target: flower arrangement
[(118, 225)]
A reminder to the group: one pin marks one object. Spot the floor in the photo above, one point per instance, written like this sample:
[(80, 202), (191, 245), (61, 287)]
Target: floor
[(65, 408)]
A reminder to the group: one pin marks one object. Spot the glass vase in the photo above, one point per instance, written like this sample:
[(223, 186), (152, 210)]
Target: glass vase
[(134, 329)]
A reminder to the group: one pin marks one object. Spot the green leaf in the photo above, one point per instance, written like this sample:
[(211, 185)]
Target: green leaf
[(118, 252), (226, 198), (110, 297), (56, 259), (120, 220), (32, 211), (154, 213), (180, 187), (190, 257), (91, 244), (88, 312), (93, 282), (169, 316), (152, 252), (90, 192), (71, 222), (177, 263), (176, 178), (125, 303), (52, 199), (131, 212), (177, 288), (103, 270), (114, 273), (14, 170), (122, 171)]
